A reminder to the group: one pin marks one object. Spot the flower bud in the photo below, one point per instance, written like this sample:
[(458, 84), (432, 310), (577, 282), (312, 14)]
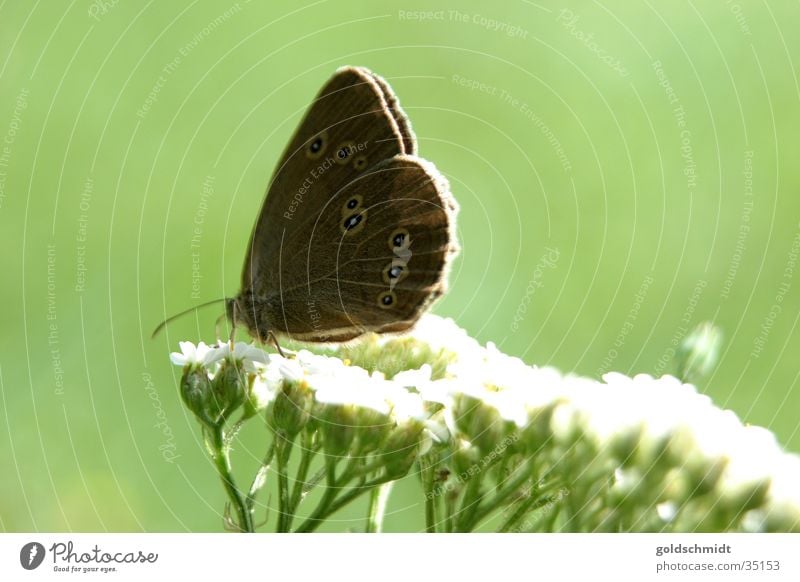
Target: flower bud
[(703, 477), (337, 425), (699, 352), (466, 460), (196, 392), (537, 432), (624, 445), (401, 448), (745, 496), (292, 408), (373, 429), (479, 422), (259, 396), (229, 388), (781, 516)]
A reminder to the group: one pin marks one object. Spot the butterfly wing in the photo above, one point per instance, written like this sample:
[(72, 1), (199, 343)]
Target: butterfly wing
[(354, 122), (400, 117), (374, 258)]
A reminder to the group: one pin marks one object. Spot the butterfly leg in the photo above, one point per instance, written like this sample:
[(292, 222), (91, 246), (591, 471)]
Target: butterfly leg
[(271, 337), (218, 327), (233, 325)]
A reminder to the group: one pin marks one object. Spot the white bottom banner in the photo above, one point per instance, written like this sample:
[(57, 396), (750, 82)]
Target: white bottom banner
[(355, 557)]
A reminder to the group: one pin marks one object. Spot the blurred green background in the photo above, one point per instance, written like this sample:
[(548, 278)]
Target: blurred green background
[(650, 151)]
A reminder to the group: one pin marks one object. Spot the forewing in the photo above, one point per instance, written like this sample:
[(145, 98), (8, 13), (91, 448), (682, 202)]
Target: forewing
[(349, 128)]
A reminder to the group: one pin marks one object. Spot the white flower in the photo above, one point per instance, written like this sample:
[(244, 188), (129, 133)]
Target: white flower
[(331, 390), (405, 406), (443, 333), (565, 423), (201, 354), (291, 370), (437, 431), (667, 510), (783, 497), (439, 392), (251, 354), (752, 456), (414, 378), (265, 387), (316, 364), (252, 357)]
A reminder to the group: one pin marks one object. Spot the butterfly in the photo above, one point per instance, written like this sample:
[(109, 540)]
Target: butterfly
[(356, 233)]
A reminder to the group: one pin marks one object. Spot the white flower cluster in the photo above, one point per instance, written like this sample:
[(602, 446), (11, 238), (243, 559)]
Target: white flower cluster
[(624, 454), (331, 380)]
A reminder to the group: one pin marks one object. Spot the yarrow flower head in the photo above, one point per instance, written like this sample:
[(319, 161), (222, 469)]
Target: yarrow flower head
[(486, 431)]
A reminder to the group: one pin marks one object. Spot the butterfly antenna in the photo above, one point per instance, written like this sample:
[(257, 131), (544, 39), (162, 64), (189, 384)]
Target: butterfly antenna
[(182, 313)]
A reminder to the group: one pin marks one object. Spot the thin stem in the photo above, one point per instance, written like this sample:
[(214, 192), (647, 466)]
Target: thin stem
[(450, 500), (331, 489), (469, 504), (283, 449), (531, 504), (450, 492), (320, 514), (430, 513), (329, 504), (377, 507), (355, 492), (500, 497), (307, 455), (546, 524), (312, 482), (222, 460), (428, 472)]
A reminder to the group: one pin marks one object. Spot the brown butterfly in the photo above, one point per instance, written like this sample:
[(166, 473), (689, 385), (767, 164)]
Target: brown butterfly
[(356, 232)]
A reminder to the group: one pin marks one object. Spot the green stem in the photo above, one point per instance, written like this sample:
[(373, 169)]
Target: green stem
[(329, 504), (379, 497), (546, 525), (315, 520), (430, 515), (283, 449), (367, 469), (428, 473), (500, 498), (531, 504), (331, 489), (450, 509), (302, 472), (469, 504), (222, 460), (357, 491)]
